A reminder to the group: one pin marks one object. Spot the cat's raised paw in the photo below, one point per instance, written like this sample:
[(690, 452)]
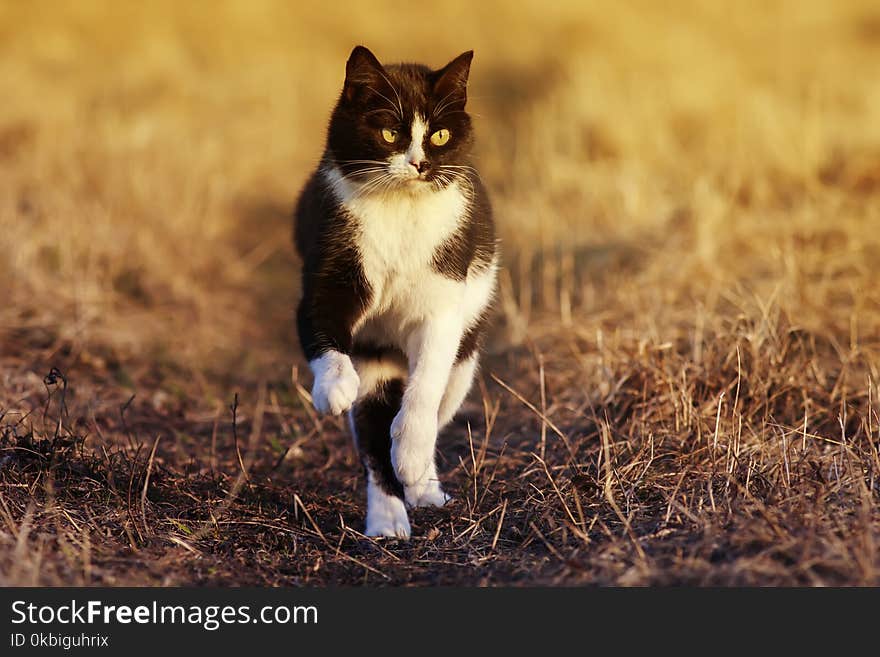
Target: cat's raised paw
[(336, 383)]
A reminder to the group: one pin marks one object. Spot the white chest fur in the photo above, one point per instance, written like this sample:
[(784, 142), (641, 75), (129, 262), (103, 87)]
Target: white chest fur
[(398, 233)]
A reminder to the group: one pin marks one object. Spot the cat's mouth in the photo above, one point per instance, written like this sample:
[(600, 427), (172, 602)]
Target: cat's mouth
[(407, 180), (407, 177), (387, 180)]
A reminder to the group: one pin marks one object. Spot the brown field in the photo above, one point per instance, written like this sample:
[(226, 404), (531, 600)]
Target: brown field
[(682, 383)]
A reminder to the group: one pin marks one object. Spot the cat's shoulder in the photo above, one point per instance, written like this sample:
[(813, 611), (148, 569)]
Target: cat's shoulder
[(316, 210)]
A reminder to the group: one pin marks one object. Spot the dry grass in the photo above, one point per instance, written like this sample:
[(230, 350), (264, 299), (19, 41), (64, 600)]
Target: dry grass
[(683, 383)]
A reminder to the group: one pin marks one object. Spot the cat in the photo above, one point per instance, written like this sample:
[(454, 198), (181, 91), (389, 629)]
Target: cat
[(400, 259)]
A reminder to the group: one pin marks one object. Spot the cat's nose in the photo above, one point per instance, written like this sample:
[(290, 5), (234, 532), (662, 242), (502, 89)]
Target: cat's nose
[(420, 165)]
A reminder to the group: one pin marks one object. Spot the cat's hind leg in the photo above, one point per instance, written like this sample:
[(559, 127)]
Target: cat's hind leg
[(370, 419)]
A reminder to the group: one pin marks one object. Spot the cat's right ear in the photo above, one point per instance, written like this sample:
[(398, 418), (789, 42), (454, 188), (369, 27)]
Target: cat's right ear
[(450, 82), (362, 71)]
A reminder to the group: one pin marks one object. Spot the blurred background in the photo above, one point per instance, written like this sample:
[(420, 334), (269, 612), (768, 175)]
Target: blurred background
[(658, 164)]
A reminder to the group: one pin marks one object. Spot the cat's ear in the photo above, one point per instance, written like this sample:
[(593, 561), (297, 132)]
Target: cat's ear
[(450, 82), (361, 71)]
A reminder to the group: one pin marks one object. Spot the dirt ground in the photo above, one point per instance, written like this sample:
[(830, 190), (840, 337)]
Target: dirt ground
[(645, 482)]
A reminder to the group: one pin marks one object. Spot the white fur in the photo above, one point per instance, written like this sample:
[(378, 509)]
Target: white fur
[(460, 380), (336, 383), (399, 230), (404, 165), (386, 514), (373, 372), (431, 350), (428, 491), (416, 151), (419, 310)]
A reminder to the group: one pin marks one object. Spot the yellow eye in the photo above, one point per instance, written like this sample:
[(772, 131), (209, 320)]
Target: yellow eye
[(440, 137), (389, 135)]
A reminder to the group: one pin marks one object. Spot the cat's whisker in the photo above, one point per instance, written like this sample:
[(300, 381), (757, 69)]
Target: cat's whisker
[(461, 111), (398, 109), (462, 167), (378, 184), (456, 167), (382, 110), (359, 162), (360, 172), (356, 164), (466, 185), (366, 168), (365, 188), (461, 171), (394, 89), (387, 187), (439, 107), (359, 187)]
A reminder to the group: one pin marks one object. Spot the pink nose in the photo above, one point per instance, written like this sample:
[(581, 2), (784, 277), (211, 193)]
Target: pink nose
[(420, 165)]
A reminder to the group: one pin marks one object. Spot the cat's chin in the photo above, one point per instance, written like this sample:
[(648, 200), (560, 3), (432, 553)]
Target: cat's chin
[(412, 185)]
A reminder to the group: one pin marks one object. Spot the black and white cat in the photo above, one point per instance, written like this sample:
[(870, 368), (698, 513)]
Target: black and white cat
[(398, 243)]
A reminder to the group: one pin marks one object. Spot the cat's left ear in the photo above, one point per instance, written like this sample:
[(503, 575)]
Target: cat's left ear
[(450, 82), (362, 71)]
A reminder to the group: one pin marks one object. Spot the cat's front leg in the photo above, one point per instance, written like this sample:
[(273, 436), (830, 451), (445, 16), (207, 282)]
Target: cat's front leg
[(431, 351), (328, 310), (336, 382)]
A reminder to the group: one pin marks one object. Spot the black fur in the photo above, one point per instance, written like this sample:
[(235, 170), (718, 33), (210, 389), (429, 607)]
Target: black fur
[(372, 351), (472, 338), (474, 244), (335, 291), (372, 417), (376, 97)]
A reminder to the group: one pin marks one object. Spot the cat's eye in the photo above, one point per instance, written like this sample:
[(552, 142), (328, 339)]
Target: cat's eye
[(440, 137), (389, 135)]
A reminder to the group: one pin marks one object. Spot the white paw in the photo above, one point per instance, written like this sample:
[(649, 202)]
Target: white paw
[(426, 493), (386, 515), (336, 383), (413, 436)]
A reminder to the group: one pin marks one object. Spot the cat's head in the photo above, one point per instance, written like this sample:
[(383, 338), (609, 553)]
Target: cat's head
[(401, 125)]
